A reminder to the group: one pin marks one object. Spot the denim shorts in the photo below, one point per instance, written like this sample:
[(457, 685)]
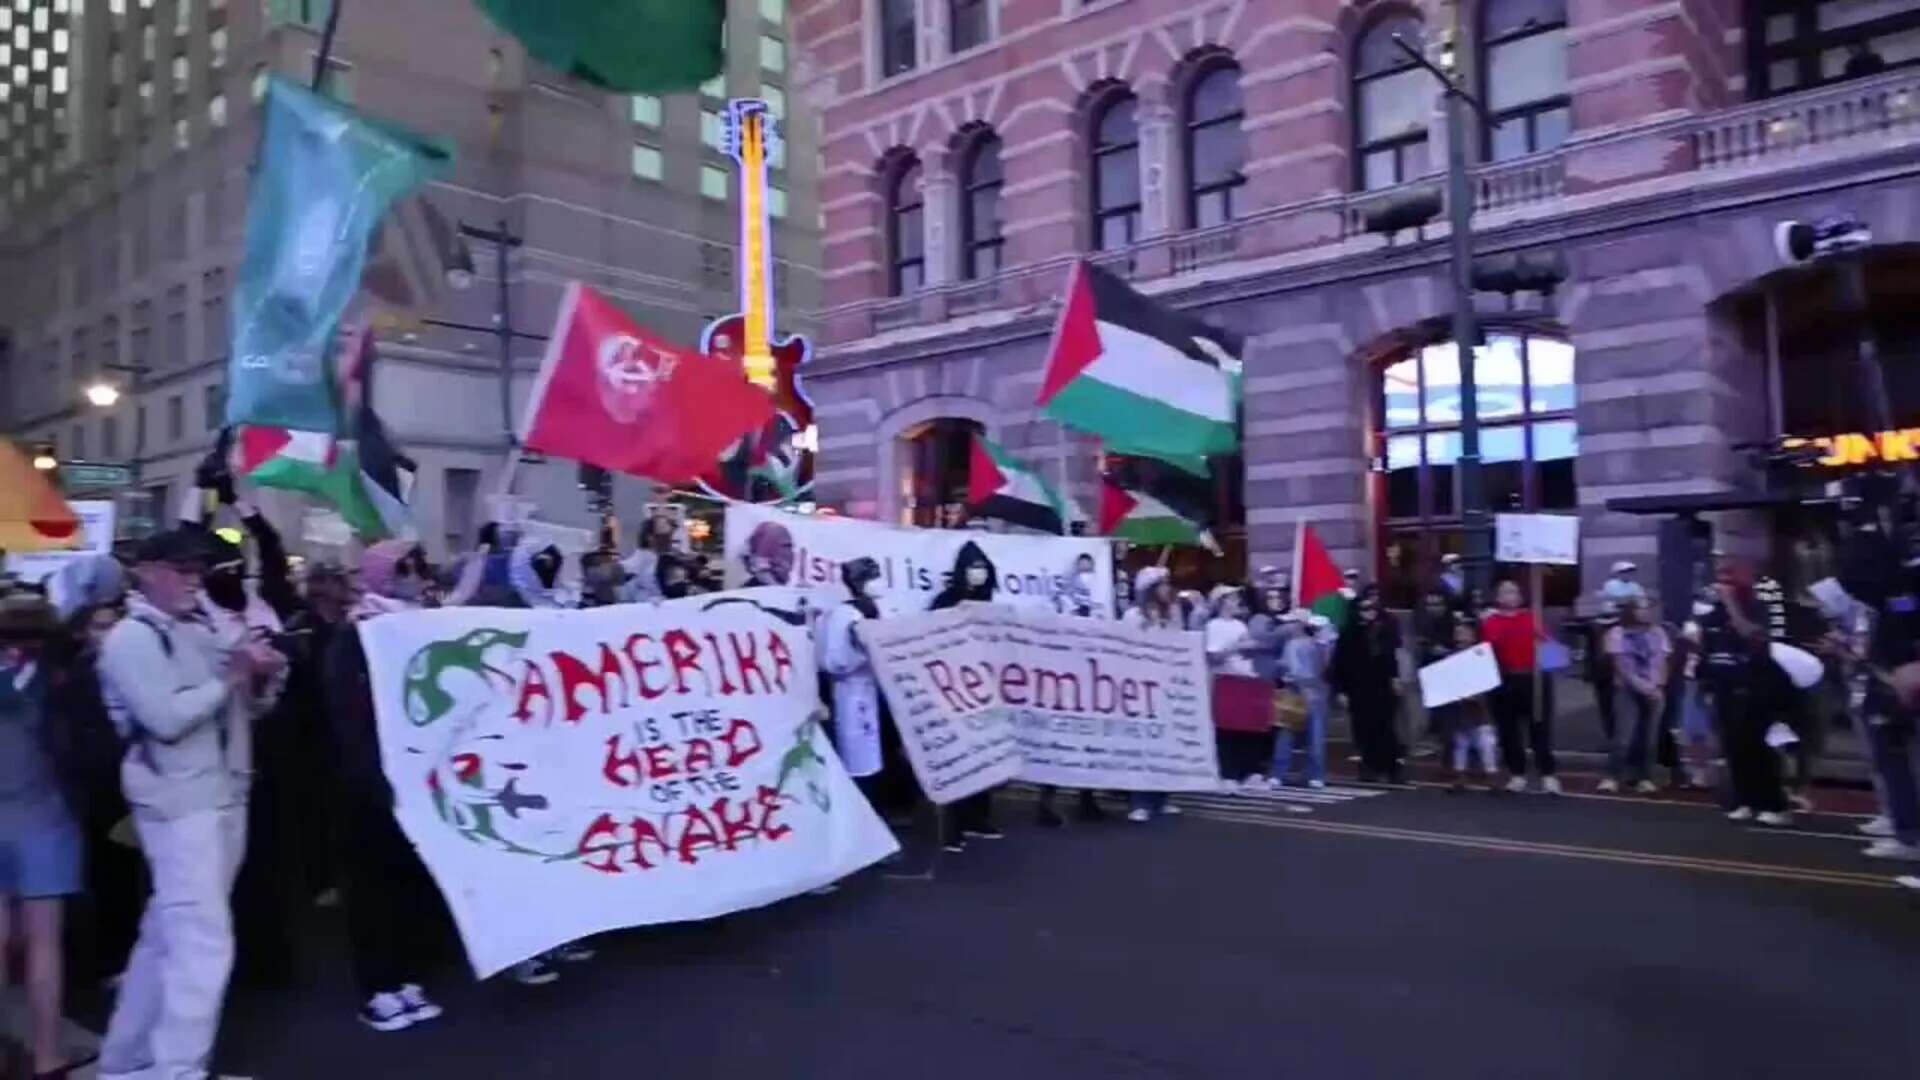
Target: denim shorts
[(40, 861)]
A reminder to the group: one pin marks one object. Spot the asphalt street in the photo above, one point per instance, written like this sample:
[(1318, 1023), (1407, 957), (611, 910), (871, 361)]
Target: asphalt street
[(1359, 933)]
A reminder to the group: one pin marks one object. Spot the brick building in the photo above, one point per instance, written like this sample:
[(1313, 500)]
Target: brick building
[(126, 131), (1224, 154)]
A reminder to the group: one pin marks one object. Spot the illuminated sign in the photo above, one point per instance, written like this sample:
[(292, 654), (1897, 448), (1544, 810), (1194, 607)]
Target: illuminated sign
[(1858, 448)]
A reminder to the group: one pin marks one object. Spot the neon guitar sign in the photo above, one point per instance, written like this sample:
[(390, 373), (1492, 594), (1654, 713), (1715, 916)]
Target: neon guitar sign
[(778, 461)]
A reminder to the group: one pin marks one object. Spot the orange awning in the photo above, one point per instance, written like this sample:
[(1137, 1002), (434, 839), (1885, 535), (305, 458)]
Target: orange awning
[(33, 516)]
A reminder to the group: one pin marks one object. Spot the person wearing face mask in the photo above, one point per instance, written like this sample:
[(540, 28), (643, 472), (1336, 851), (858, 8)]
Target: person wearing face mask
[(972, 580), (184, 698), (675, 578), (856, 695), (384, 890)]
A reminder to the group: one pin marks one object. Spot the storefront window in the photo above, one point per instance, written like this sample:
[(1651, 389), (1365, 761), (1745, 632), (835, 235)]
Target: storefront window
[(1528, 442)]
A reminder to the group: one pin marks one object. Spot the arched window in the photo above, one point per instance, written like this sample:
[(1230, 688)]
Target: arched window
[(1216, 147), (906, 239), (1528, 441), (1116, 173), (1393, 101), (1523, 74), (980, 181), (938, 454)]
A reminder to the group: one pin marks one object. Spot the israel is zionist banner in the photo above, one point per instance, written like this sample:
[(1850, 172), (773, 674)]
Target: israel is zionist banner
[(1060, 574), (563, 773), (982, 694)]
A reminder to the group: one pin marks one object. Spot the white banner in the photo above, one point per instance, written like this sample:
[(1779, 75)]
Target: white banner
[(1060, 574), (564, 772), (982, 694), (1537, 538)]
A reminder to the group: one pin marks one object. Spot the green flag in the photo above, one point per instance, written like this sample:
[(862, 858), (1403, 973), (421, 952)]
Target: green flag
[(325, 177), (628, 46)]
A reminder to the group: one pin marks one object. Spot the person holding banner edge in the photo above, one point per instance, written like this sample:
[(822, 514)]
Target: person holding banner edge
[(1154, 609), (973, 580)]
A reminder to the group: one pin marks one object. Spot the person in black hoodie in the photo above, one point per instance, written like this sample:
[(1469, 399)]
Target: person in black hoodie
[(975, 580), (1366, 667)]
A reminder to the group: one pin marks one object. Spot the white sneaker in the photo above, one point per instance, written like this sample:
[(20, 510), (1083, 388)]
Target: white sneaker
[(1647, 787), (534, 972), (1893, 849), (1140, 816), (419, 1005), (573, 952), (1607, 786), (386, 1012), (1317, 785), (1517, 784), (1908, 881), (1800, 802), (1740, 813), (1881, 826), (1776, 818), (1254, 782), (1550, 785), (1168, 809), (1228, 787)]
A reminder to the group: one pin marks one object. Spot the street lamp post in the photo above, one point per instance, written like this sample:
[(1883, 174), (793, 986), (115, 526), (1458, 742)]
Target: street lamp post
[(105, 395), (1476, 529), (460, 276)]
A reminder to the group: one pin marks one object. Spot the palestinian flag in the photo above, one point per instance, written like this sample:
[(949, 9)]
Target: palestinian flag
[(1316, 580), (1147, 503), (362, 479), (999, 486), (1149, 380)]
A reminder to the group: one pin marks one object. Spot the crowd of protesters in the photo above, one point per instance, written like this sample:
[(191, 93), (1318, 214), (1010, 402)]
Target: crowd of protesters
[(186, 721)]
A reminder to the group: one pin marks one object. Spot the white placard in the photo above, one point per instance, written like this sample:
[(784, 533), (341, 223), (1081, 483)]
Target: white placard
[(1459, 676), (1537, 538), (1060, 574), (984, 693), (564, 773)]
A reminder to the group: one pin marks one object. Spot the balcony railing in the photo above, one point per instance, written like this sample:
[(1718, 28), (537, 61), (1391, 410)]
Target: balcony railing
[(1861, 111), (1851, 117)]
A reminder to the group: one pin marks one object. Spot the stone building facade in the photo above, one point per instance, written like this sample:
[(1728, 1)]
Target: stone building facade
[(1224, 155)]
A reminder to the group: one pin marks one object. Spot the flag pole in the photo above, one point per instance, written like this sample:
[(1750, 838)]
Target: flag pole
[(325, 56)]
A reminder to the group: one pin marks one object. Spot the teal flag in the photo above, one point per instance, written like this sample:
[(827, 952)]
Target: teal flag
[(325, 177), (628, 46)]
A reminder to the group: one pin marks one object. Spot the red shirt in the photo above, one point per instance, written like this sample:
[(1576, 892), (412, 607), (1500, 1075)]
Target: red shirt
[(1515, 639)]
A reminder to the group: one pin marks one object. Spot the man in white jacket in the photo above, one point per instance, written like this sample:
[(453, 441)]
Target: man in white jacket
[(184, 696)]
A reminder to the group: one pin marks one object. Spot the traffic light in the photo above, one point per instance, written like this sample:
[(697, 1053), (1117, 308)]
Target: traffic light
[(1404, 210), (1798, 242), (1540, 271)]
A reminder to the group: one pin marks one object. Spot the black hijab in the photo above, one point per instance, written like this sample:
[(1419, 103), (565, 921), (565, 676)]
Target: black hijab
[(856, 574), (958, 591)]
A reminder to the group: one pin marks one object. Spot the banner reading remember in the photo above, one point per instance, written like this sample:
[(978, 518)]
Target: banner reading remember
[(983, 694), (564, 773)]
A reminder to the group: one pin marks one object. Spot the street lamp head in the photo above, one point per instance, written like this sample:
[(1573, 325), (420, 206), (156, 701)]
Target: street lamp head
[(103, 395), (44, 459), (460, 265)]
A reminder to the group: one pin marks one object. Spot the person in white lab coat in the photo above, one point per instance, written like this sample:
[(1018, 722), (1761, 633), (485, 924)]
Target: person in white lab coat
[(856, 695)]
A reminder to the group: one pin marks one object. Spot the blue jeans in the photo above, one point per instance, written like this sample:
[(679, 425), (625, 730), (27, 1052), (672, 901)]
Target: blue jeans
[(1316, 735), (1894, 752), (1634, 720)]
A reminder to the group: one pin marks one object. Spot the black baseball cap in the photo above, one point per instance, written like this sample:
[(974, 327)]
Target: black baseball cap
[(176, 547)]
